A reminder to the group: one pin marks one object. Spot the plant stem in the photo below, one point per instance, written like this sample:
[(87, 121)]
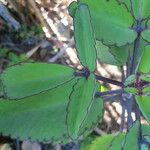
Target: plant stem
[(128, 64), (112, 92), (122, 114), (108, 98), (135, 54), (100, 78), (122, 119), (134, 60), (129, 105), (144, 141), (107, 80), (130, 102), (17, 144), (123, 77)]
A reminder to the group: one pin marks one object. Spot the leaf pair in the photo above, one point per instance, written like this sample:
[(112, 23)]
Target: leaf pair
[(142, 81), (59, 113), (118, 55), (111, 22), (146, 32), (83, 109), (112, 55), (121, 141), (127, 141), (116, 25), (144, 99), (139, 8), (52, 103)]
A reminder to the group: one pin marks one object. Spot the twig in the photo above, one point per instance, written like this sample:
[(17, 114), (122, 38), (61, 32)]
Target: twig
[(33, 50), (58, 55), (122, 117), (62, 51), (13, 5), (101, 78), (51, 24), (123, 77), (16, 7), (112, 92), (108, 98), (128, 64), (99, 131), (38, 14), (144, 141), (107, 80), (122, 101), (12, 23), (58, 147), (17, 144), (127, 104)]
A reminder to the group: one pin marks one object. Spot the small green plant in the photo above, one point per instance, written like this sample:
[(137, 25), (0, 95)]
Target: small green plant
[(55, 103), (13, 58), (26, 32)]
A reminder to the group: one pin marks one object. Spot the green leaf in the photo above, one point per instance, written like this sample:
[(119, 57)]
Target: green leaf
[(144, 147), (146, 89), (84, 37), (130, 80), (4, 51), (31, 78), (108, 142), (102, 143), (112, 55), (144, 104), (146, 33), (144, 66), (85, 144), (146, 130), (145, 77), (132, 137), (140, 8), (120, 54), (131, 90), (127, 3), (117, 142), (121, 141), (142, 45), (95, 113), (40, 117), (80, 102), (16, 59), (104, 54), (72, 8), (112, 22)]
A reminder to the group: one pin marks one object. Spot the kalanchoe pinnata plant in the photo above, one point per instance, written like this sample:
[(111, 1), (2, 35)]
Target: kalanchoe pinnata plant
[(51, 102), (55, 103)]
